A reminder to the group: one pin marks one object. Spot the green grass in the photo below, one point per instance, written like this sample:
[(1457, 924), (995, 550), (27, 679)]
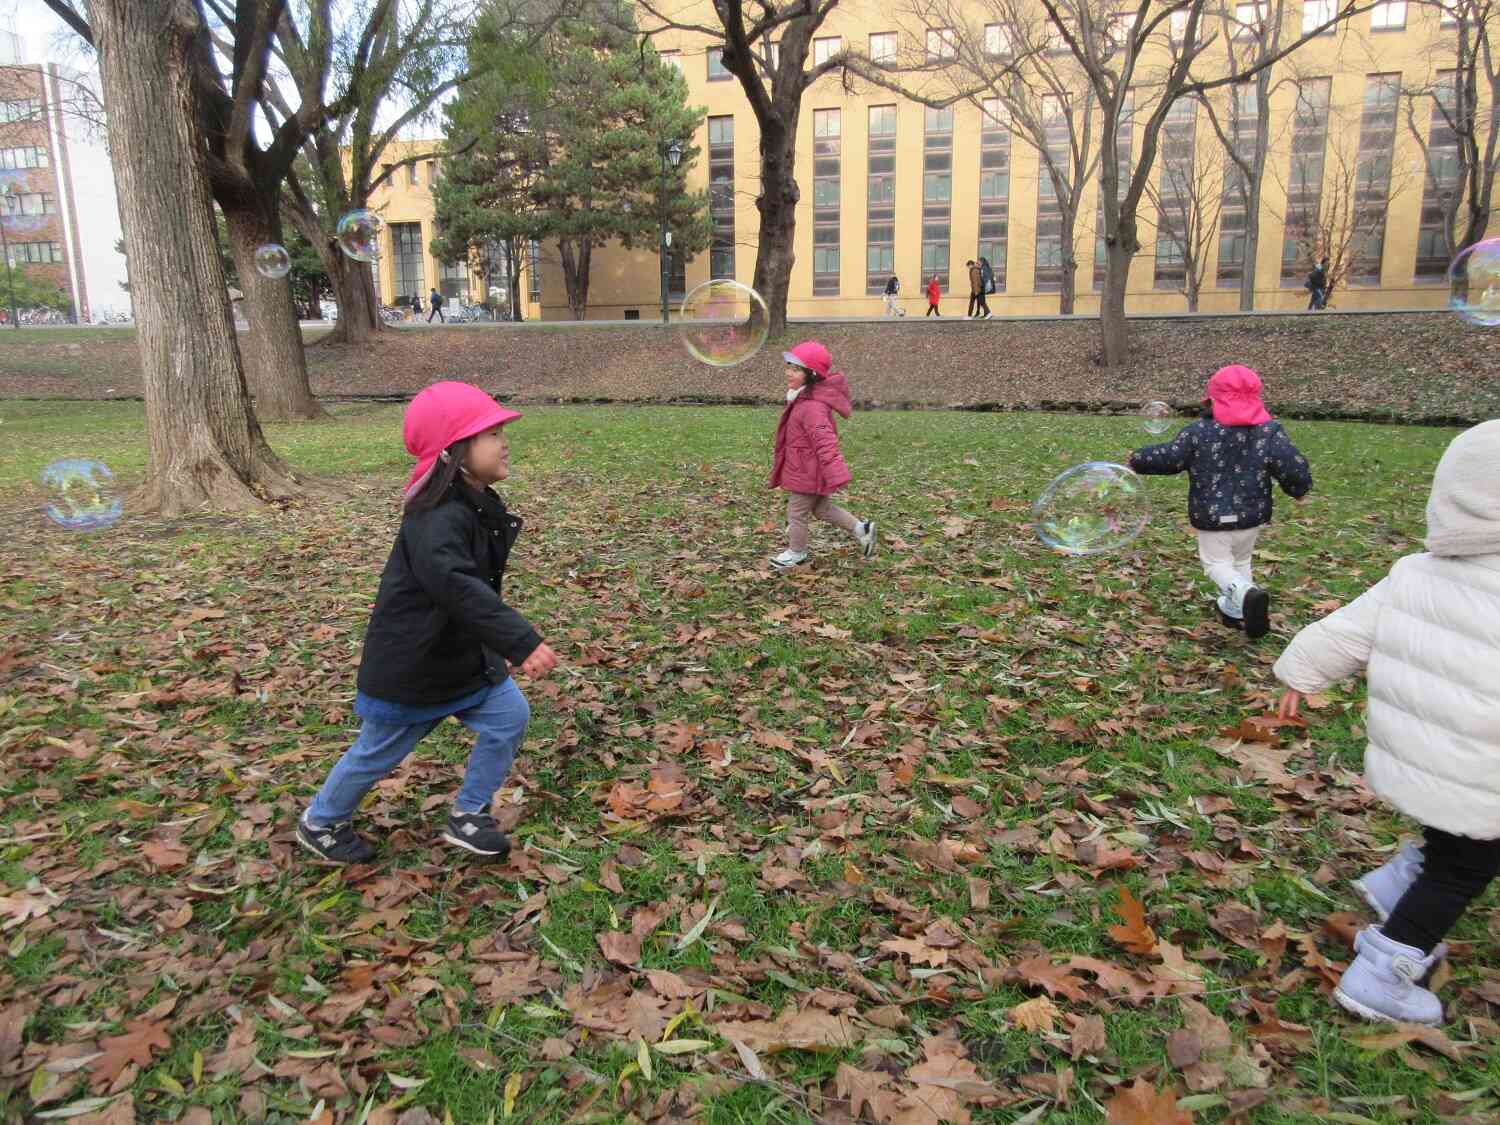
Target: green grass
[(1077, 697)]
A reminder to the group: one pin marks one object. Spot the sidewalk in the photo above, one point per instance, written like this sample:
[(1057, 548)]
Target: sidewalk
[(1033, 318)]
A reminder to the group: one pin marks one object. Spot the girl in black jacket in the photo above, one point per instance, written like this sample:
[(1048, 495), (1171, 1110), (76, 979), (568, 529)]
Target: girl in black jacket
[(1231, 458), (440, 640)]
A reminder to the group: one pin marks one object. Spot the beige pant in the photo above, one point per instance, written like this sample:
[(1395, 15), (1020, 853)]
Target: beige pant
[(801, 505), (1226, 555)]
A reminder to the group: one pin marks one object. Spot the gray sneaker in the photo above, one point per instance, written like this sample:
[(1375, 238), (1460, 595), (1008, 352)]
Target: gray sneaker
[(334, 843), (477, 833), (1382, 984)]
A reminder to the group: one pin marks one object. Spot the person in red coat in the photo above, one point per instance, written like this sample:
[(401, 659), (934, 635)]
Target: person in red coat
[(808, 463), (934, 295)]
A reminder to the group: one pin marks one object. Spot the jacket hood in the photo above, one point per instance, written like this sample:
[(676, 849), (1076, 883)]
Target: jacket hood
[(834, 391), (1235, 392), (1463, 510)]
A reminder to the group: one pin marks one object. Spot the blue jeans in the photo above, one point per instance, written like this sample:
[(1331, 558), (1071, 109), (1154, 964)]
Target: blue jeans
[(498, 722)]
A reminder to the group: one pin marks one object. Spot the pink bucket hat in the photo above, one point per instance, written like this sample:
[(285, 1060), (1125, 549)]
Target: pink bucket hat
[(441, 415), (1235, 392), (811, 355)]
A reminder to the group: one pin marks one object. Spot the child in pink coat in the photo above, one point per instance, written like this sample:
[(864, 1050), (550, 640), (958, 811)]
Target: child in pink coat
[(808, 463)]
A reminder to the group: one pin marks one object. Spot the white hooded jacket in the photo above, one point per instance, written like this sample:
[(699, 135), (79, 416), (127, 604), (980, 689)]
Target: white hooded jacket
[(1428, 635)]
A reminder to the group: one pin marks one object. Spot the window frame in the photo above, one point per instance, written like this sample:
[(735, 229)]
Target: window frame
[(1385, 10)]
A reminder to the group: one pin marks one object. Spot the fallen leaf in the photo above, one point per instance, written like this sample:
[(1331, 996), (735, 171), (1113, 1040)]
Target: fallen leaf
[(1141, 1103), (1037, 1014), (1134, 935), (1404, 1033), (141, 1040), (622, 949)]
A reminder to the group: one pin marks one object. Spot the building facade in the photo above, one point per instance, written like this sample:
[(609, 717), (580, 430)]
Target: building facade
[(38, 214), (406, 267), (891, 186)]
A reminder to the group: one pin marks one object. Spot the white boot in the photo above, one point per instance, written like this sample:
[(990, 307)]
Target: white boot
[(1383, 887), (864, 535), (788, 559), (1382, 985)]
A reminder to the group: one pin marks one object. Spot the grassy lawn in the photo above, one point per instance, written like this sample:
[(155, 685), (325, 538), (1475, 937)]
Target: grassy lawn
[(882, 823)]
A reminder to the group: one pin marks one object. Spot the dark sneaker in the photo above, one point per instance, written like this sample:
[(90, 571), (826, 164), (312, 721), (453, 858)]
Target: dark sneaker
[(1257, 611), (1227, 621), (334, 843), (477, 833)]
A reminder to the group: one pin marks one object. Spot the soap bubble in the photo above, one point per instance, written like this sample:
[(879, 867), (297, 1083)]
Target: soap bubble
[(1158, 416), (1092, 508), (272, 260), (80, 494), (1474, 283), (723, 322), (359, 235)]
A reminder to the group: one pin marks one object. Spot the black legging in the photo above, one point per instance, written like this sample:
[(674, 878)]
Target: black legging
[(932, 310), (1455, 871), (437, 311)]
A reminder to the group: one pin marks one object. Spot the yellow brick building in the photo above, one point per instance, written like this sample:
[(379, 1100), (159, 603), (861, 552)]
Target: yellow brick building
[(872, 205)]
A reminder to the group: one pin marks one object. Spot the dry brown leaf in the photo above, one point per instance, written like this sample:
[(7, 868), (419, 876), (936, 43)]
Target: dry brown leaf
[(1088, 1037), (1135, 935), (141, 1040), (1037, 1014), (1141, 1103), (622, 949), (810, 1029), (1404, 1033), (1056, 979)]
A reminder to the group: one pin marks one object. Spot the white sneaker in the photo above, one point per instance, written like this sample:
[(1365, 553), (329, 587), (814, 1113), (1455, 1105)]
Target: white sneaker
[(864, 535), (1382, 985), (1383, 887), (788, 559)]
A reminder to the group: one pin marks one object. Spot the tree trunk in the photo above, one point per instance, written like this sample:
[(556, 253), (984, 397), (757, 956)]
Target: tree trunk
[(1069, 292), (777, 204), (575, 269), (1257, 180), (1112, 326), (354, 292), (1193, 287), (352, 282), (205, 447), (275, 362), (512, 278)]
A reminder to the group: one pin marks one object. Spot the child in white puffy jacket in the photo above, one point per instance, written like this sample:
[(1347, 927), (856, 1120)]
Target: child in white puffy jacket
[(1428, 637)]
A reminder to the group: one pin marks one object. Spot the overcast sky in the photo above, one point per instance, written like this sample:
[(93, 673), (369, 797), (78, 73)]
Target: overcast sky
[(45, 38)]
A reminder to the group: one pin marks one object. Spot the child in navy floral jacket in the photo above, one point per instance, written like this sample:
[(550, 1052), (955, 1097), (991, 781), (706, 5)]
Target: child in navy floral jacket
[(1231, 459)]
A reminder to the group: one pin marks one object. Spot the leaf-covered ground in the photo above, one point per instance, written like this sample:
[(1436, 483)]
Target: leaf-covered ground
[(1401, 367), (967, 832)]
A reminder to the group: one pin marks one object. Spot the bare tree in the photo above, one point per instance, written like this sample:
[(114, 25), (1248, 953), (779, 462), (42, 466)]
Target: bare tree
[(231, 52), (234, 55), (205, 447), (1243, 126), (1338, 192), (396, 65), (1139, 64), (1189, 200), (1452, 115), (774, 82), (1010, 51)]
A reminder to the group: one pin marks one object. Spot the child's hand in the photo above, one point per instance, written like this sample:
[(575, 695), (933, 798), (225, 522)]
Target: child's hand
[(541, 661), (1291, 699)]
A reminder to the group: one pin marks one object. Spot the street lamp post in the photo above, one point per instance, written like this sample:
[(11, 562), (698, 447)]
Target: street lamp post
[(671, 156), (10, 279)]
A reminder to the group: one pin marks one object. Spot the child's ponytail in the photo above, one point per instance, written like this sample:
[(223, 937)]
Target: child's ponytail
[(450, 464)]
